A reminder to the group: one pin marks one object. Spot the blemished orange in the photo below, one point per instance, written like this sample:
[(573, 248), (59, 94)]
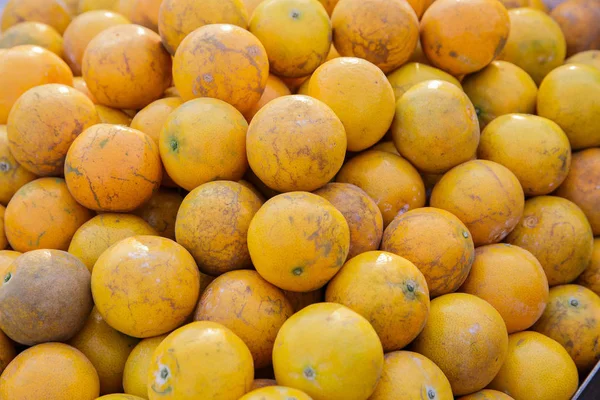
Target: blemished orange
[(466, 337), (145, 13), (201, 359), (222, 61), (435, 126), (33, 33), (126, 66), (512, 280), (83, 29), (590, 57), (580, 22), (296, 143), (386, 289), (12, 174), (536, 367), (557, 233), (112, 116), (50, 371), (360, 31), (275, 88), (536, 4), (437, 242), (40, 143), (359, 94), (51, 12), (391, 181), (572, 318), (276, 393), (43, 215), (7, 351), (412, 376), (161, 212), (533, 148), (135, 373), (329, 352), (486, 394), (461, 37), (412, 73), (79, 84), (590, 278)]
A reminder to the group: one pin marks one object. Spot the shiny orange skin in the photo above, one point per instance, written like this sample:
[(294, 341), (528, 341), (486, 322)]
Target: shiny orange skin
[(33, 33), (412, 73), (590, 57), (486, 394), (51, 12), (24, 67), (437, 242), (590, 277), (580, 22), (276, 393), (126, 66), (7, 351), (160, 212), (388, 179), (79, 84), (275, 88), (360, 31), (145, 13), (12, 174), (221, 61), (485, 196), (536, 4), (461, 37), (135, 373), (103, 177), (43, 215)]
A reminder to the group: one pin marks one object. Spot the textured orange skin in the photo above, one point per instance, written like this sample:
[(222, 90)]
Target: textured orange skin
[(112, 116), (557, 233), (201, 359), (463, 36), (580, 22), (44, 122), (412, 73), (161, 212), (359, 94), (298, 241), (106, 348), (103, 177), (24, 67), (12, 174), (590, 278), (79, 84), (486, 394), (135, 373), (204, 140), (386, 289), (276, 393), (329, 352), (296, 143), (275, 88), (359, 30), (466, 337), (261, 383), (33, 33), (536, 4), (3, 239), (300, 300), (50, 371), (437, 242), (145, 13), (83, 29), (435, 127), (7, 351), (536, 367), (43, 215), (590, 57), (485, 196), (50, 12), (222, 61), (410, 375), (512, 280), (361, 213), (126, 66), (535, 43)]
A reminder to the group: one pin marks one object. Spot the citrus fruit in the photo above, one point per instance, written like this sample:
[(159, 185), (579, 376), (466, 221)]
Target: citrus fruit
[(33, 33), (112, 116), (12, 175), (300, 300), (486, 394), (7, 351), (160, 212), (275, 88), (590, 277), (6, 259), (145, 13), (276, 393), (79, 84), (580, 22), (412, 73), (536, 4), (51, 12), (3, 239), (135, 373), (262, 383), (328, 4), (120, 396), (590, 57)]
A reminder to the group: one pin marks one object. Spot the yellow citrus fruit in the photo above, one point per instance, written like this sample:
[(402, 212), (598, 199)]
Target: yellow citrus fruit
[(33, 33), (590, 278), (135, 372), (275, 88), (276, 393), (160, 212), (113, 116), (51, 12), (486, 394), (3, 239), (7, 350), (12, 174), (412, 73), (590, 57)]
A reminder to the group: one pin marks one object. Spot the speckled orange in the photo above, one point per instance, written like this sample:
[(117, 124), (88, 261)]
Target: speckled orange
[(590, 278), (275, 88), (135, 373), (160, 212), (51, 12), (580, 22), (276, 393), (33, 33), (412, 73), (12, 174)]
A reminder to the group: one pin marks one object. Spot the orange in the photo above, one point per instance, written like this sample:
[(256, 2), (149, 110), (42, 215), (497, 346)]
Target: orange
[(212, 223), (126, 66), (51, 12), (83, 29), (160, 212), (112, 116), (261, 383), (12, 174), (275, 88), (559, 99), (221, 61), (388, 179), (145, 286), (24, 67), (536, 367), (437, 242), (44, 122), (359, 94), (486, 394), (418, 55), (463, 36), (466, 337), (328, 4), (361, 213), (103, 177), (580, 22), (412, 73), (265, 191), (276, 393), (435, 127), (135, 373), (50, 371), (534, 148), (590, 277), (412, 376), (300, 300), (34, 33), (329, 352), (386, 289), (106, 348), (572, 318), (171, 92), (145, 13), (120, 396), (557, 233), (7, 351), (384, 32), (535, 43), (3, 240), (536, 4), (590, 57), (295, 143), (79, 84), (43, 215), (6, 259), (91, 5), (294, 83), (202, 359)]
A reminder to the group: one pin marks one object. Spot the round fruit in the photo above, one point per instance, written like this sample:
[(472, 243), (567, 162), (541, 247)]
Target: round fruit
[(120, 396), (536, 367), (276, 393), (486, 394), (152, 118), (12, 175), (45, 297), (590, 57), (329, 352), (557, 233), (590, 278), (296, 143), (135, 373), (6, 259), (145, 286), (275, 88), (51, 12), (112, 116), (160, 212), (300, 300), (466, 337), (580, 22), (262, 383), (200, 360), (7, 351), (3, 239), (33, 33), (536, 4), (145, 13), (412, 73), (79, 84)]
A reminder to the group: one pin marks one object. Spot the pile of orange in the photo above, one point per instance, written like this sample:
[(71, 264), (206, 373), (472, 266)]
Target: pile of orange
[(299, 199)]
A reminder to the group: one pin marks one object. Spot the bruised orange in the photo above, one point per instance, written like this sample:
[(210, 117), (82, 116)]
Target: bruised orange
[(33, 33), (412, 73), (276, 393), (12, 174), (275, 88), (580, 22), (160, 212), (590, 278), (135, 373), (51, 12)]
